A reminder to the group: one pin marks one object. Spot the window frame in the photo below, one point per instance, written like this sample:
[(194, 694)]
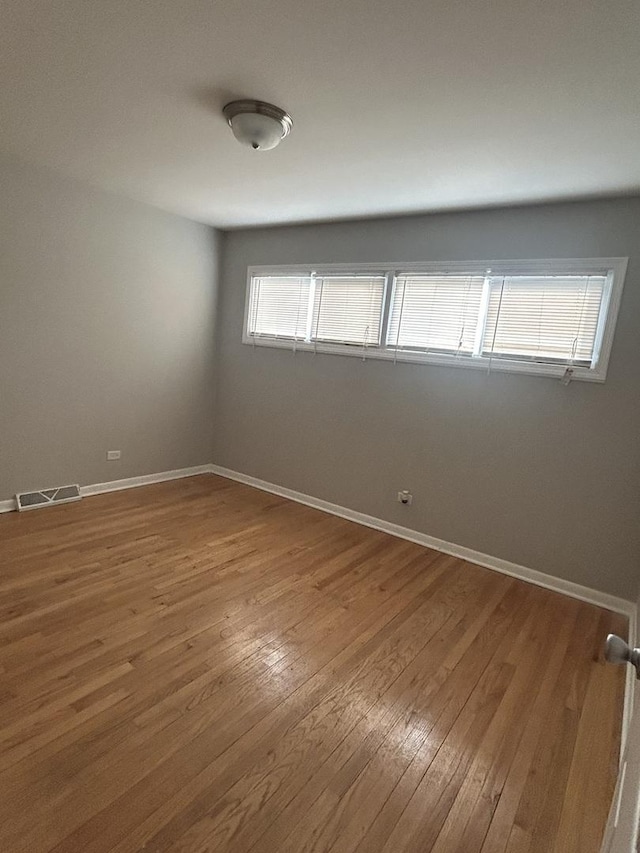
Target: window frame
[(613, 268)]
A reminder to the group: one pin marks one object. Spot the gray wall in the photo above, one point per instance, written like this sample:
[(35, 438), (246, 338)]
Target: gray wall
[(107, 318), (107, 310), (515, 466)]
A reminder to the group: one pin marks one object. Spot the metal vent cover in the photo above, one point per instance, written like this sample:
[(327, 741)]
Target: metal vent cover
[(46, 497)]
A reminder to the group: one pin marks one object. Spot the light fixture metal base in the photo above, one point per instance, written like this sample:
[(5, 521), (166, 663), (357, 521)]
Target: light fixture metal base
[(248, 105)]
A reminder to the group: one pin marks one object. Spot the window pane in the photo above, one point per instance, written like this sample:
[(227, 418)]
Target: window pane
[(348, 309), (279, 306), (544, 318), (435, 312)]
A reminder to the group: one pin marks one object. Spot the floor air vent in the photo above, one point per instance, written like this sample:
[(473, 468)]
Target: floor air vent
[(61, 495)]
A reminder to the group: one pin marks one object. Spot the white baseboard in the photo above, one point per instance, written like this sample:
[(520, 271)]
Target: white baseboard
[(574, 590), (144, 480), (127, 483)]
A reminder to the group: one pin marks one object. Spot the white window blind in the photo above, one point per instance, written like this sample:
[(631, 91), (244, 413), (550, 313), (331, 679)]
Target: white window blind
[(435, 312), (348, 309), (548, 317), (340, 309), (279, 306), (544, 318)]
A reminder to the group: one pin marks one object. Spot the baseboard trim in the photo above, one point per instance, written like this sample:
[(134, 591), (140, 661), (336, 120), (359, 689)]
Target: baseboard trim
[(126, 483), (143, 480), (574, 590)]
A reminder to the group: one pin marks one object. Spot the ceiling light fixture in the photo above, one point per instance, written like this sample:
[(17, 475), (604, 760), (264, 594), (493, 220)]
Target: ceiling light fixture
[(256, 124)]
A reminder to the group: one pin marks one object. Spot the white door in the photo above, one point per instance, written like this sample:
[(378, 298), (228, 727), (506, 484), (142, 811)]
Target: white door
[(621, 834)]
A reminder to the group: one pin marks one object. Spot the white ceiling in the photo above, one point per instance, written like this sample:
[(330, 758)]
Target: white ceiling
[(397, 106)]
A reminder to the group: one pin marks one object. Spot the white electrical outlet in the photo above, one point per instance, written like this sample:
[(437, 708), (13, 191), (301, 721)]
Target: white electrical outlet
[(112, 455), (405, 497)]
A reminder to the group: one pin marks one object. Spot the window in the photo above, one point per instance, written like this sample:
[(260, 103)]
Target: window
[(340, 309), (544, 317), (348, 309), (279, 306), (435, 313)]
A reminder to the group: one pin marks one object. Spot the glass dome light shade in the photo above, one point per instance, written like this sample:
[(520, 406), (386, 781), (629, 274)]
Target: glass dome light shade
[(256, 131), (257, 124)]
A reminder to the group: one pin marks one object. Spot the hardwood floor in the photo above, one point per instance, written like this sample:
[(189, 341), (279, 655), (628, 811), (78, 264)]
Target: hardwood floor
[(199, 666)]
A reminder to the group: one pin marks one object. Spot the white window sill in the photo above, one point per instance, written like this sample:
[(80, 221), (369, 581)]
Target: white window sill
[(557, 371)]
